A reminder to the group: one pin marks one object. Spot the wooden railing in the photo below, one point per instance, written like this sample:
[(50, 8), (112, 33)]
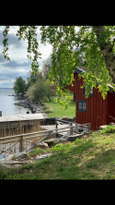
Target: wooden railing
[(45, 133)]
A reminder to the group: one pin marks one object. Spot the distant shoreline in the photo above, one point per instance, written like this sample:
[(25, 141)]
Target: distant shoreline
[(6, 88)]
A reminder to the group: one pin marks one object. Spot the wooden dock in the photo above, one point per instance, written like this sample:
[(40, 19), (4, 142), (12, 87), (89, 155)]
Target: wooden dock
[(18, 124), (21, 117)]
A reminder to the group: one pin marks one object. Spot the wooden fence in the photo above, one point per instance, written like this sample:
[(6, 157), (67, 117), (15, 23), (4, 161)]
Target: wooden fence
[(75, 128)]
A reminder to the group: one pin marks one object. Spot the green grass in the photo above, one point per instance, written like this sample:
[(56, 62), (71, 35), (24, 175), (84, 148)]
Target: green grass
[(57, 111), (88, 158), (37, 151)]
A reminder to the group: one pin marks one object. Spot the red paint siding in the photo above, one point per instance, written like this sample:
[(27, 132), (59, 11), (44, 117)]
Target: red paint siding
[(110, 107), (98, 111)]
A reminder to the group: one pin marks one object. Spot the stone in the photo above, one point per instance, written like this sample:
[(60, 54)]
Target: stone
[(27, 112), (64, 118), (73, 137), (112, 123), (98, 130), (61, 140), (22, 155), (43, 156), (42, 145), (51, 142), (102, 127)]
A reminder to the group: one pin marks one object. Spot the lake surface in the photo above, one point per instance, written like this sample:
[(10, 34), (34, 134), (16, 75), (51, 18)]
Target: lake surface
[(7, 105)]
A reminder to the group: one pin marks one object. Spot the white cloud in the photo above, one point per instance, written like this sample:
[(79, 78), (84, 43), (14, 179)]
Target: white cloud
[(4, 81), (18, 55)]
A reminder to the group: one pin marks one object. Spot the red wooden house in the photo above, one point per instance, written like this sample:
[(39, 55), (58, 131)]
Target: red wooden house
[(93, 109)]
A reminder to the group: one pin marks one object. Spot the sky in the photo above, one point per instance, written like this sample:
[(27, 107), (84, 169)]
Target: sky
[(19, 64)]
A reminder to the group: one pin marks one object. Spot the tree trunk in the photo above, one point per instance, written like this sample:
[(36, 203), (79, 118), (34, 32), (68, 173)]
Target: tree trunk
[(106, 49)]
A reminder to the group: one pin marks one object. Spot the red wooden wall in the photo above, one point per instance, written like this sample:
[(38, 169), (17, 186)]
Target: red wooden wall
[(110, 107), (96, 107)]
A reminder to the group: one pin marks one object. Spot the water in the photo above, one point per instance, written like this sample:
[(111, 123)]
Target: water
[(7, 105)]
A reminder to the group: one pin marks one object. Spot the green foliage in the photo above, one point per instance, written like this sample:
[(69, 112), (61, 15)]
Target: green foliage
[(91, 41), (41, 90), (108, 129), (19, 85), (63, 38), (31, 79), (46, 67), (79, 57), (37, 151), (90, 158)]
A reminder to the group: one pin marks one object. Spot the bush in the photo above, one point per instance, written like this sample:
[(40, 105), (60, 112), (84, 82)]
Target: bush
[(41, 90), (108, 129)]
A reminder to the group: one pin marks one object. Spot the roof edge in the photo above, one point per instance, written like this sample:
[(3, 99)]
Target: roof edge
[(79, 70)]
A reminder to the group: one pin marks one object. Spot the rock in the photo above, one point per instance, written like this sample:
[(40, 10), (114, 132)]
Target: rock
[(27, 112), (64, 118), (43, 156), (112, 123), (42, 145), (61, 140), (102, 127), (22, 155), (73, 137), (98, 130), (51, 142)]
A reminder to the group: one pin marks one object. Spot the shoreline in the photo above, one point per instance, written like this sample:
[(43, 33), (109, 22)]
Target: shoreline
[(34, 107)]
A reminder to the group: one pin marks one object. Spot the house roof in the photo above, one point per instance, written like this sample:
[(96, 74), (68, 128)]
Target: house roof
[(84, 69)]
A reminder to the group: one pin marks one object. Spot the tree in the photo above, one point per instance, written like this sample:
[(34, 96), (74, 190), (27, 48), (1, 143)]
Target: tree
[(46, 67), (19, 85), (41, 90), (31, 79), (80, 59), (96, 42)]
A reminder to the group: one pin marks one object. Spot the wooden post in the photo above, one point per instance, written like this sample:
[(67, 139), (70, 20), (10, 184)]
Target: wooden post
[(0, 113), (71, 129), (56, 129), (21, 143), (49, 135)]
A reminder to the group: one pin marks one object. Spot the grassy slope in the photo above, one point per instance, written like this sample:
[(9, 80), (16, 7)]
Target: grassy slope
[(89, 158), (57, 111)]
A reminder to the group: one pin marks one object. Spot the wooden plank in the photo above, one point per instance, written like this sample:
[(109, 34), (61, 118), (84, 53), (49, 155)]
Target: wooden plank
[(91, 105), (106, 110), (110, 107), (103, 110), (75, 82), (94, 110), (114, 106), (97, 106), (9, 147), (21, 117)]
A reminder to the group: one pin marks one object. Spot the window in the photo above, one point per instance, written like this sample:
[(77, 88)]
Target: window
[(90, 93), (82, 105)]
